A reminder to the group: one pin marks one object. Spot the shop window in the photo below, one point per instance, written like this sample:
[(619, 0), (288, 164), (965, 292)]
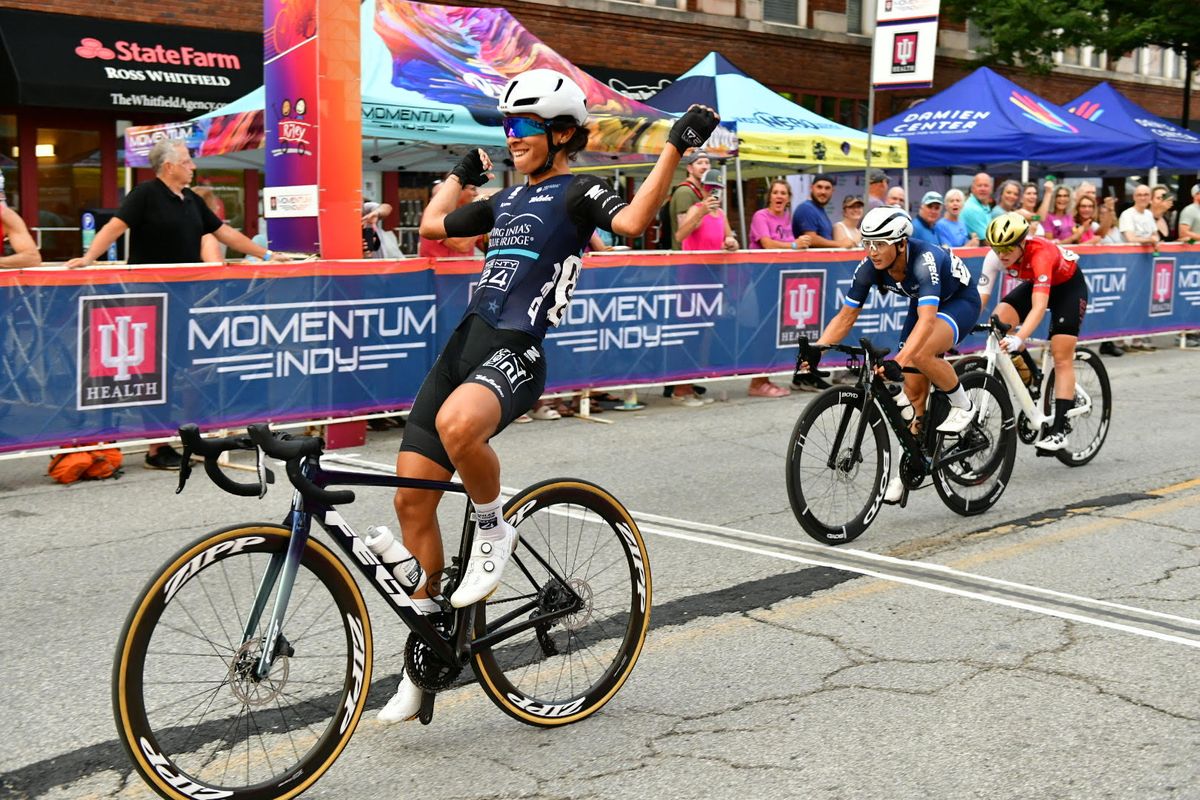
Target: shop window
[(68, 165), (785, 11), (854, 16), (8, 159)]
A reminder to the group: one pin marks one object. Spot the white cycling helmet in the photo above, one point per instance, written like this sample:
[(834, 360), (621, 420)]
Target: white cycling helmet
[(547, 93), (886, 222)]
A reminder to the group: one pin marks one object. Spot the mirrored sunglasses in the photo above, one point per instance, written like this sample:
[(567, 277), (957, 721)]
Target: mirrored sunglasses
[(520, 127), (1004, 249)]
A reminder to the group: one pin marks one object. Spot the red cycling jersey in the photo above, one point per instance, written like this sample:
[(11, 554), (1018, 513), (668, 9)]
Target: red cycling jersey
[(1044, 263)]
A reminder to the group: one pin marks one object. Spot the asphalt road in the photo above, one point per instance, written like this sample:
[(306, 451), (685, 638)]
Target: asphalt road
[(1044, 649)]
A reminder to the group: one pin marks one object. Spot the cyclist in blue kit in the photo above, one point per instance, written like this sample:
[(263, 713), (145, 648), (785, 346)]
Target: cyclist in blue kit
[(943, 307), (493, 368)]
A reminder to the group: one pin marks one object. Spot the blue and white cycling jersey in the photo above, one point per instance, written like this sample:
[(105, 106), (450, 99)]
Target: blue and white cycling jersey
[(933, 277), (536, 237)]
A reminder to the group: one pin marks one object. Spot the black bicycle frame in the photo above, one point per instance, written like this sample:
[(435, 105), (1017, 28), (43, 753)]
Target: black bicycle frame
[(283, 567)]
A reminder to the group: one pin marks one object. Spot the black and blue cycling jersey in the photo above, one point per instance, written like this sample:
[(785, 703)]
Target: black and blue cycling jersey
[(933, 276), (536, 237)]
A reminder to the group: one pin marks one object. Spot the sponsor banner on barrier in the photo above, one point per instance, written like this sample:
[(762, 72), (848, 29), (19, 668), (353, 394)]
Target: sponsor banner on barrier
[(126, 353)]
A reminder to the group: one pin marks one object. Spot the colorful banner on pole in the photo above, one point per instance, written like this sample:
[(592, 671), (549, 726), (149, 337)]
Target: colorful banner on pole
[(905, 43), (114, 354)]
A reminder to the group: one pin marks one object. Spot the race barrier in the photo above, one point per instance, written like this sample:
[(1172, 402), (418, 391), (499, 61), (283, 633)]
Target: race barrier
[(131, 352)]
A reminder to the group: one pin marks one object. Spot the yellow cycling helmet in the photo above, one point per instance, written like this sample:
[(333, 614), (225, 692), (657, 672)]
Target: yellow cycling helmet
[(1007, 230)]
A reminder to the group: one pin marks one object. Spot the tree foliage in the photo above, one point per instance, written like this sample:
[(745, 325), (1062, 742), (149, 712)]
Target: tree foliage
[(1029, 32)]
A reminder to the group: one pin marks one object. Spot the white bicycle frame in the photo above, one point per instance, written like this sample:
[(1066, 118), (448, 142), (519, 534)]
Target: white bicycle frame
[(999, 360)]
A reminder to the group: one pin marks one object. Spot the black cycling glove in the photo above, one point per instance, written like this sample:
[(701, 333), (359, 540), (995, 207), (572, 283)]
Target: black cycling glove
[(470, 169), (808, 355), (693, 128), (892, 370)]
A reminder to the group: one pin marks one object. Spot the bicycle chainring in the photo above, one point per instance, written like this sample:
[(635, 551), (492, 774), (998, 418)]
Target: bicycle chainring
[(425, 667), (912, 471)]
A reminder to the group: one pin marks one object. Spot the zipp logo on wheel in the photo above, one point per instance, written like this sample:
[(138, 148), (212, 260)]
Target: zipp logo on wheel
[(122, 355)]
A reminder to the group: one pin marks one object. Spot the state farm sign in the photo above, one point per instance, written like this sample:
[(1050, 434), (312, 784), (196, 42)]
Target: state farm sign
[(156, 54)]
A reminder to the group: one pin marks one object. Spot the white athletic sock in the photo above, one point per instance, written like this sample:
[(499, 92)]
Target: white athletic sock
[(958, 397), (490, 521)]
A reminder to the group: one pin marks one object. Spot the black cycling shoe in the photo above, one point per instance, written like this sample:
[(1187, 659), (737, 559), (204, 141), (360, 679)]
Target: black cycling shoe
[(1112, 349)]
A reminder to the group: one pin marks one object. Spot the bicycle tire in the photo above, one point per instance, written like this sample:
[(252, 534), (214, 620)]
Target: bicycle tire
[(180, 757), (974, 484), (1089, 444), (590, 542), (810, 481)]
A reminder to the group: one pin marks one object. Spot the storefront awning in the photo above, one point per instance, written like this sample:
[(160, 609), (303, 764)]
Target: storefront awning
[(88, 63)]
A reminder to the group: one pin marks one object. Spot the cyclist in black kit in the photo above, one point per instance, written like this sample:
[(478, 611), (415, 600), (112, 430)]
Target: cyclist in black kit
[(493, 368)]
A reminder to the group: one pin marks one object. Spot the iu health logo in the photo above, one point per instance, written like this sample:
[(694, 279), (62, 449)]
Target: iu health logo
[(904, 53), (122, 355), (801, 306), (1162, 287)]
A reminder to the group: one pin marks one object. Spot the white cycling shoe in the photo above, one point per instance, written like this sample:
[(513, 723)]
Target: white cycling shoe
[(404, 705), (957, 420), (484, 568), (1052, 442), (895, 491)]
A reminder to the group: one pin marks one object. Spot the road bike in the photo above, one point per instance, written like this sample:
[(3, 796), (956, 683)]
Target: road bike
[(244, 665), (1087, 422), (839, 456)]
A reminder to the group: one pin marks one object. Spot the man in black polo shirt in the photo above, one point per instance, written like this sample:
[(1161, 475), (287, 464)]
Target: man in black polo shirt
[(165, 218), (166, 221)]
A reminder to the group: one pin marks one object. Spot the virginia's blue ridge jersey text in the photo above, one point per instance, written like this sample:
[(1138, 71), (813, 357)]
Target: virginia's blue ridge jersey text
[(933, 276), (536, 236)]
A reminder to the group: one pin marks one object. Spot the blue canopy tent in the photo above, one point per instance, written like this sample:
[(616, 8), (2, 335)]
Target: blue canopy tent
[(771, 130), (986, 119), (1175, 148)]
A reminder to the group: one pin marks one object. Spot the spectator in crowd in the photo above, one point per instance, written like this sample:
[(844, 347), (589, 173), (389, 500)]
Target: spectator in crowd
[(926, 220), (1008, 198), (771, 227), (705, 226), (210, 249), (877, 185), (378, 242), (451, 248), (810, 217), (1060, 222), (951, 230), (1107, 212), (695, 164), (1161, 203), (1137, 223), (1084, 227), (166, 221), (977, 211), (24, 250), (895, 197), (1189, 219), (846, 232)]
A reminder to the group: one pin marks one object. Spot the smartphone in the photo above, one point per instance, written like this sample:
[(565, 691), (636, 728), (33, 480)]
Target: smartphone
[(716, 192)]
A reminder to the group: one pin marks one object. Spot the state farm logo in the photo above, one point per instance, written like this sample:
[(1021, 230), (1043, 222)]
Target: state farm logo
[(801, 306), (1162, 287), (156, 54), (94, 48), (122, 354)]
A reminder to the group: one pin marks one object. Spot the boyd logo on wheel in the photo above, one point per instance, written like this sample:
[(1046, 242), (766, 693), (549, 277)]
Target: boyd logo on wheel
[(122, 354), (1162, 287), (801, 306)]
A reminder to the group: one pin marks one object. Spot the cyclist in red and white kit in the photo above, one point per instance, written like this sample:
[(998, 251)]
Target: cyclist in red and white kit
[(1052, 281)]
